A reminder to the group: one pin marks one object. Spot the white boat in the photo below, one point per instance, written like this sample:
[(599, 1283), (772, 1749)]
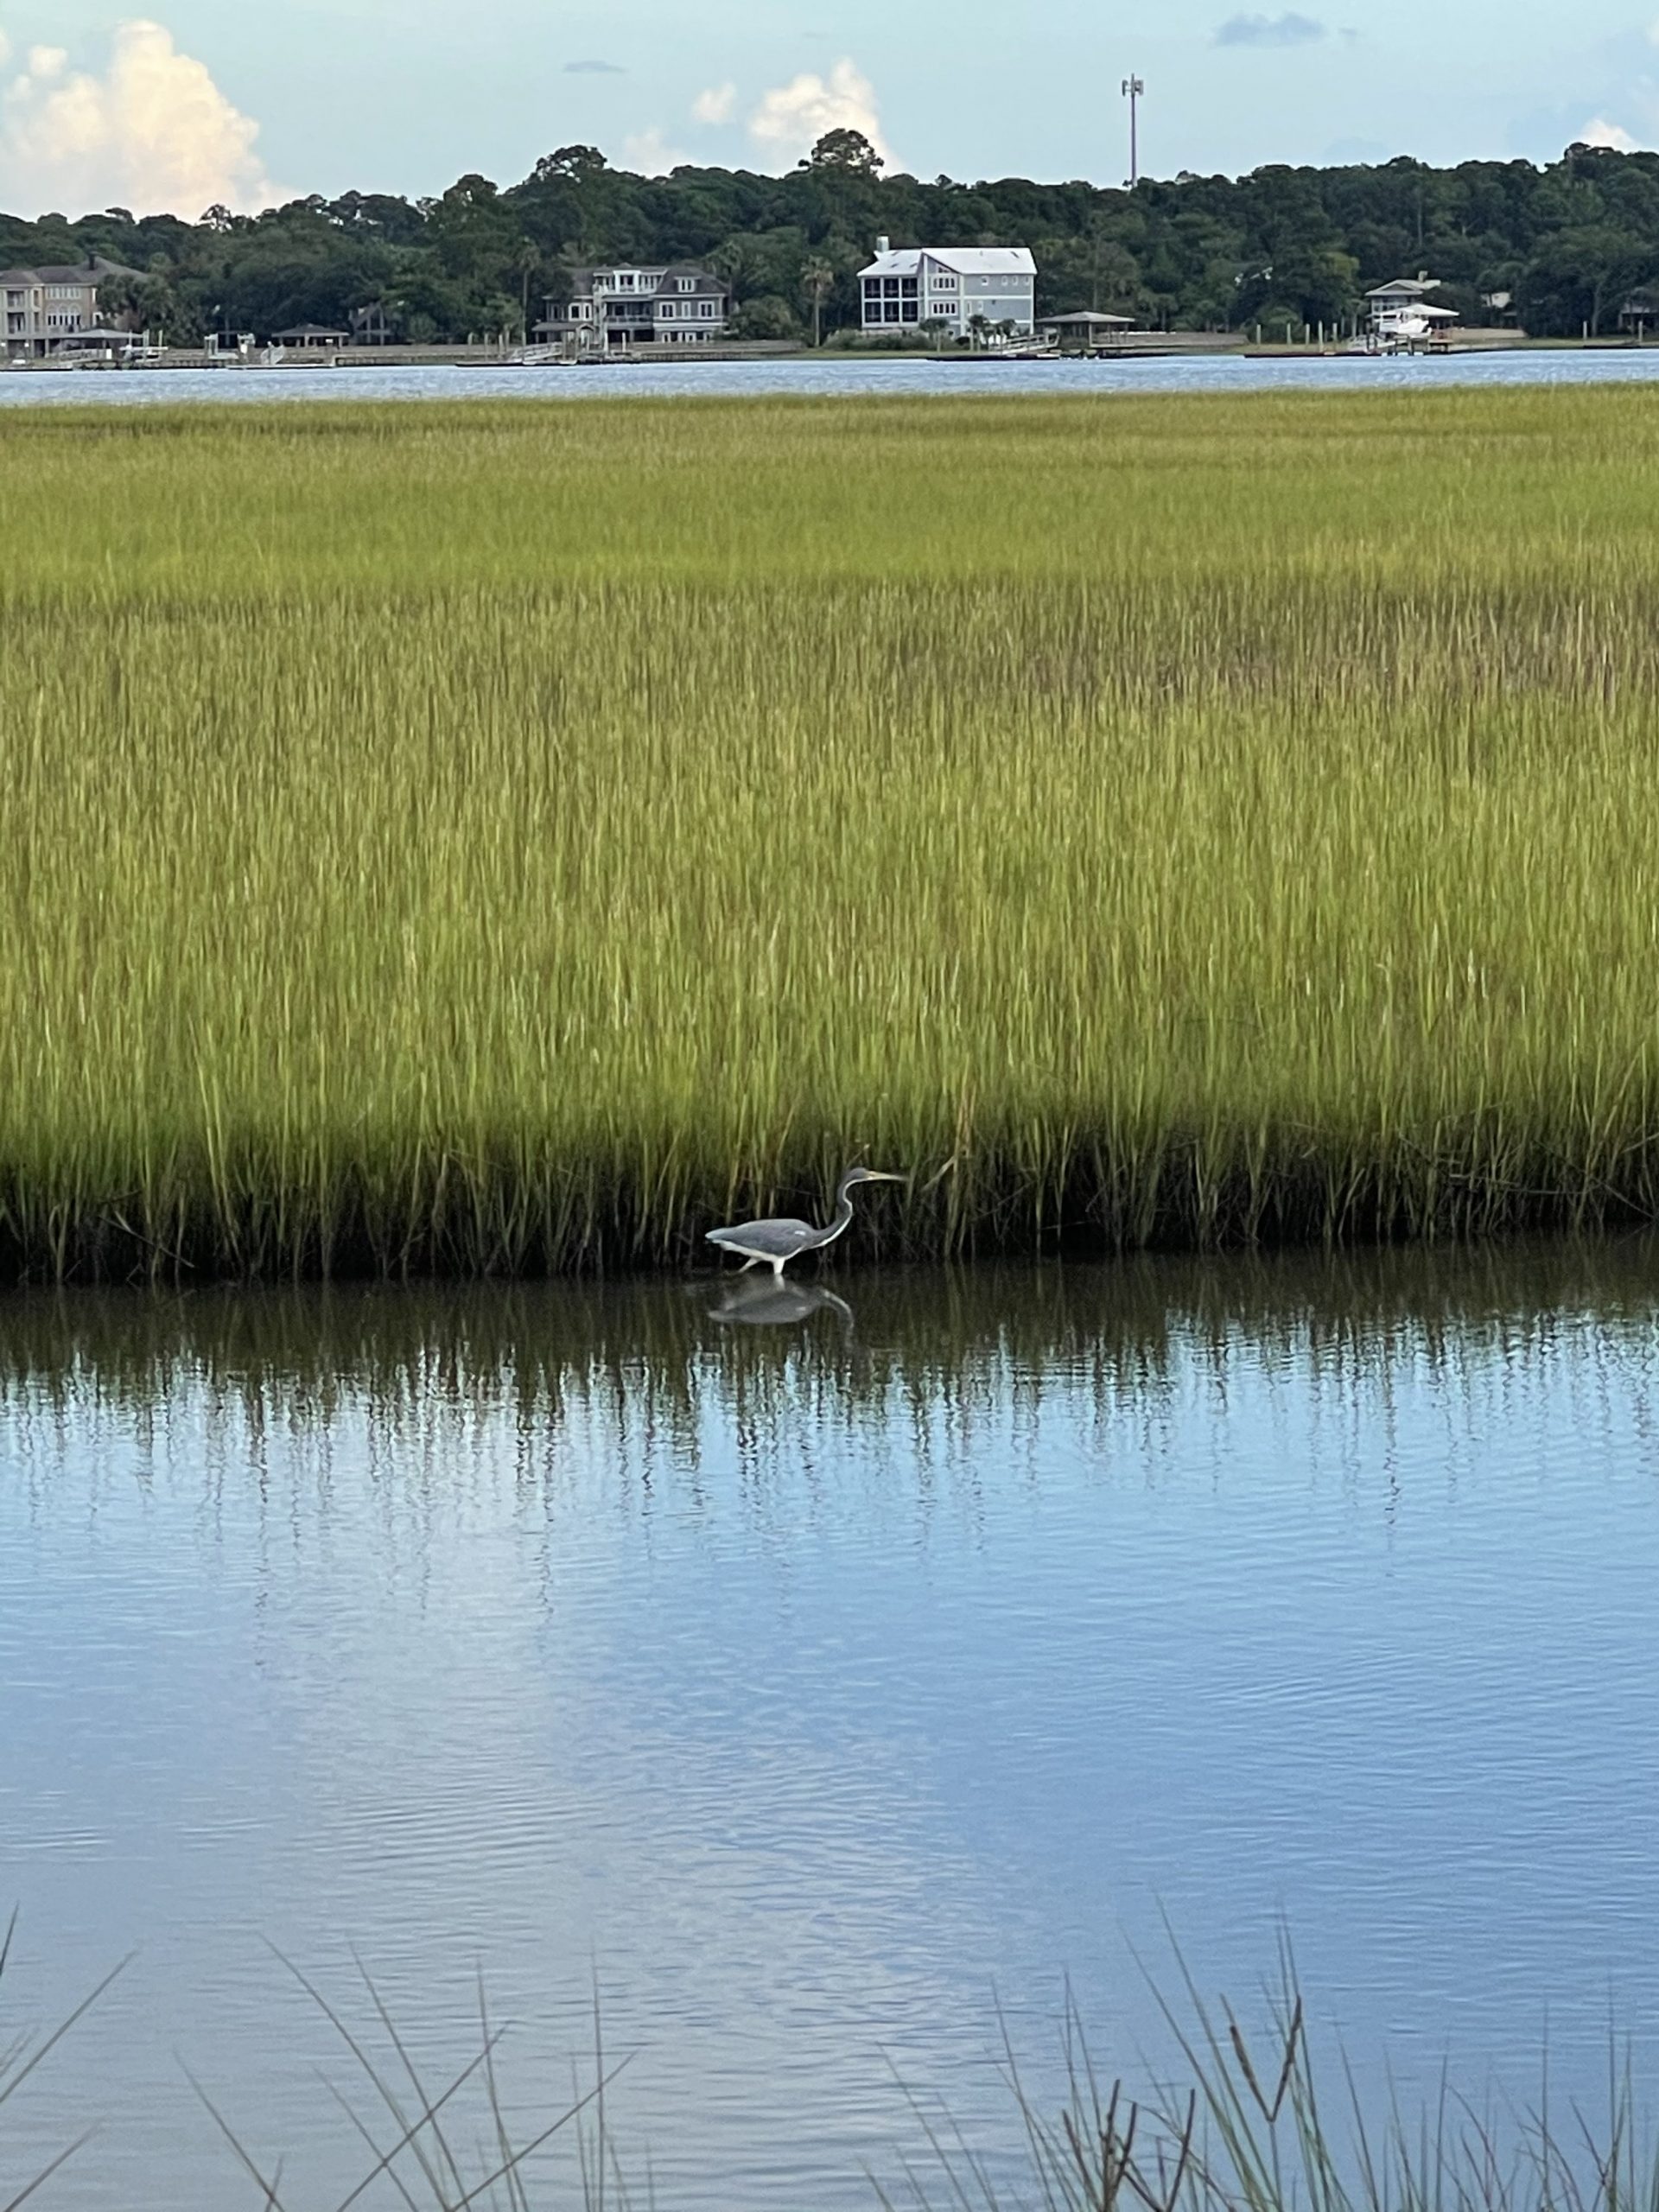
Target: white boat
[(1414, 329), (1019, 349)]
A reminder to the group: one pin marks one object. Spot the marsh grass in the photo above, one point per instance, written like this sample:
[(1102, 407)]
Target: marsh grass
[(1260, 2123), (21, 2051), (441, 2144), (504, 839), (1257, 2120)]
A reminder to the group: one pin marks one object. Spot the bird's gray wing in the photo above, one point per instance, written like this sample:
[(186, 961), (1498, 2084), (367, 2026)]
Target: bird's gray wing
[(781, 1235)]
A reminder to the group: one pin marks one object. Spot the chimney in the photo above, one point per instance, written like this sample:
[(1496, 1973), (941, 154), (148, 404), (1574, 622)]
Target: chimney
[(883, 245)]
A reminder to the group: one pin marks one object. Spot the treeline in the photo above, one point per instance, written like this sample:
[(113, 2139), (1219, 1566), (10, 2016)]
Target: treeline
[(1559, 248)]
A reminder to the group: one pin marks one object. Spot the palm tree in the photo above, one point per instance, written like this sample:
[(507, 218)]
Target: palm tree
[(527, 263), (817, 279)]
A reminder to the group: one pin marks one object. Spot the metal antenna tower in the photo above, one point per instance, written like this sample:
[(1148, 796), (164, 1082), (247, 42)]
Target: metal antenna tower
[(1133, 88)]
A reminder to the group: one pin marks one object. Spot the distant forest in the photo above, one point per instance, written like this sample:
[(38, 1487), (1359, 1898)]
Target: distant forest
[(1568, 243)]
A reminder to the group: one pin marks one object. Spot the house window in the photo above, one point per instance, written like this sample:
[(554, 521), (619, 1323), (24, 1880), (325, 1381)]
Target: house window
[(909, 288), (687, 283), (667, 310), (913, 310), (706, 309), (890, 288)]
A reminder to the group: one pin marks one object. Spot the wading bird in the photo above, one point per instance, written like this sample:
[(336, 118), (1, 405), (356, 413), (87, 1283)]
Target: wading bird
[(780, 1241)]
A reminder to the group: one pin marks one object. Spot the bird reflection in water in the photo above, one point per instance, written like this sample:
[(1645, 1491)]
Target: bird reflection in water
[(776, 1303)]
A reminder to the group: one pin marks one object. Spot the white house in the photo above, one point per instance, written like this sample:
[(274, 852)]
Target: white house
[(949, 284)]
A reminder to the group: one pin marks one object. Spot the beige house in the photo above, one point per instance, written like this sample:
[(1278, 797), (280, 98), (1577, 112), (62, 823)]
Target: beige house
[(40, 307)]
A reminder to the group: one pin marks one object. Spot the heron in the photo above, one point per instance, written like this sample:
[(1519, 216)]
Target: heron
[(778, 1242)]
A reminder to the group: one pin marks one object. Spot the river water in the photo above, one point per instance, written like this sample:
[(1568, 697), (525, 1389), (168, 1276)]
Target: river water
[(837, 376), (810, 1673)]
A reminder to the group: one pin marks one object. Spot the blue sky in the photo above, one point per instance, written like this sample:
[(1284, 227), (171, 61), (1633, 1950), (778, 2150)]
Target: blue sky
[(244, 102)]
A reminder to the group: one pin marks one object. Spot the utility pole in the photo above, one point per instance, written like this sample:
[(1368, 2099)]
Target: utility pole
[(1133, 88)]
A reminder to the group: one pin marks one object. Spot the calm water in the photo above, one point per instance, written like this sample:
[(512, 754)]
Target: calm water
[(811, 1671), (835, 377)]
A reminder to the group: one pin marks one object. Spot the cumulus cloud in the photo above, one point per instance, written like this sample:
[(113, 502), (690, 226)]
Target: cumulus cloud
[(594, 69), (154, 133), (792, 118), (718, 104), (649, 154), (1599, 132), (1288, 29)]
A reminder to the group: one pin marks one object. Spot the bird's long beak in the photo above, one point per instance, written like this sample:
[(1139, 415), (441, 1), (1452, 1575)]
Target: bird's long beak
[(881, 1175)]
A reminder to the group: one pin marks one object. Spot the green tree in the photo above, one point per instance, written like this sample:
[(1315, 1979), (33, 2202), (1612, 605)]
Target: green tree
[(767, 317), (1581, 277), (843, 149)]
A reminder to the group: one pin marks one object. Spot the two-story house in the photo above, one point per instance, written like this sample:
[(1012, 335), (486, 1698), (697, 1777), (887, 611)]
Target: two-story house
[(958, 286), (604, 309), (40, 307)]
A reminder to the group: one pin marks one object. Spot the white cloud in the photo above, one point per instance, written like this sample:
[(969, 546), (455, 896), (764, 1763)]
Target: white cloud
[(718, 104), (649, 154), (5, 49), (1290, 30), (1599, 132), (155, 133), (792, 118)]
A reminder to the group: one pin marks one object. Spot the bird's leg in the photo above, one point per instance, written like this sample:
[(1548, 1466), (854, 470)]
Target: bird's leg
[(747, 1265), (777, 1269)]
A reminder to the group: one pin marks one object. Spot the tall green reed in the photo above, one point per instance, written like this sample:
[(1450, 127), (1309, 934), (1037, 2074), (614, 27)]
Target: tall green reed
[(500, 839)]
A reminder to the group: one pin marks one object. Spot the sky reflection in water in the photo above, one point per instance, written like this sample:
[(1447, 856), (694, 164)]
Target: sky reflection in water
[(814, 1661)]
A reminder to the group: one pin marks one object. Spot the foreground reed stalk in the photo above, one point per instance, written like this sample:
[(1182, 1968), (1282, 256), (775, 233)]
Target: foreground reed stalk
[(1257, 2125), (493, 839)]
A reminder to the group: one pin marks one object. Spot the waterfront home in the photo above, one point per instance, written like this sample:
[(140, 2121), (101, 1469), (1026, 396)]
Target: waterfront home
[(960, 287), (43, 306), (1400, 295), (606, 310)]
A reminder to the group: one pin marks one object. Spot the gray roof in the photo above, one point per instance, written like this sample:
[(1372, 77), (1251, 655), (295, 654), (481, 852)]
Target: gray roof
[(966, 260), (1415, 285), (311, 330), (93, 271), (1084, 319), (707, 284)]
